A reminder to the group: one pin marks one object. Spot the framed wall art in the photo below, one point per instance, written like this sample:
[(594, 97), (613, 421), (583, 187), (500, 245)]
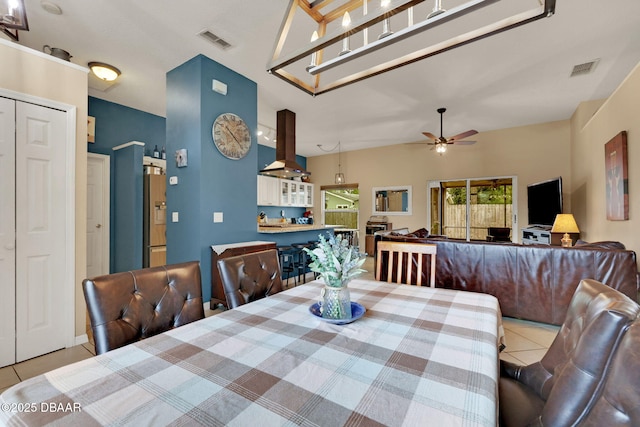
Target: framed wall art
[(617, 182)]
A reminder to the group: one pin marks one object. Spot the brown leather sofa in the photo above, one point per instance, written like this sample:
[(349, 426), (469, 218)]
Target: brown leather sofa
[(130, 306), (532, 282), (248, 277)]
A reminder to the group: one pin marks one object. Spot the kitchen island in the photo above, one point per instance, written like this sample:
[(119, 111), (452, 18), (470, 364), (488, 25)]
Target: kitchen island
[(286, 227)]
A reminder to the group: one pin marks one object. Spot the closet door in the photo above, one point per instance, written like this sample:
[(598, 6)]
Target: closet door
[(40, 230), (7, 233)]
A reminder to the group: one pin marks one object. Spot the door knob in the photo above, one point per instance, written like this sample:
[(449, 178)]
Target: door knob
[(98, 225)]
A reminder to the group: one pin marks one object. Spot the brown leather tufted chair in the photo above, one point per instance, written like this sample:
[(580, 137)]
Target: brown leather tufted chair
[(619, 403), (249, 277), (559, 390), (130, 306)]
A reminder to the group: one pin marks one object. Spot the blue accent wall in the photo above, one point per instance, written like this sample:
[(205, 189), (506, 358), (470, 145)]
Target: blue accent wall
[(117, 125), (127, 217), (211, 182)]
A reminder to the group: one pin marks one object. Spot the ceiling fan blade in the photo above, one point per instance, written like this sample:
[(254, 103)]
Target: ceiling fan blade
[(462, 142), (430, 135), (462, 135)]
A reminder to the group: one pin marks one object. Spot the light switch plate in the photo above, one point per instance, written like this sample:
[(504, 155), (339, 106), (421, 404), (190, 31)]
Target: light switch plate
[(173, 180), (217, 217), (175, 216)]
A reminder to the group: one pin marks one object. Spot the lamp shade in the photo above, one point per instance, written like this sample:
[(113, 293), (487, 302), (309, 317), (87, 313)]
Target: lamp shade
[(565, 223)]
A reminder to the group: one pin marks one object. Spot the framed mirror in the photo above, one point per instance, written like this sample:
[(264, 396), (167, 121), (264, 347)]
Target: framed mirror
[(392, 200)]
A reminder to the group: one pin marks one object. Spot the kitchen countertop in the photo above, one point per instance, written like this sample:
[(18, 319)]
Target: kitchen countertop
[(292, 228)]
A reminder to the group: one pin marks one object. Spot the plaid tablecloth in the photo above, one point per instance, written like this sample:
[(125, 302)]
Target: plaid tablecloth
[(418, 357)]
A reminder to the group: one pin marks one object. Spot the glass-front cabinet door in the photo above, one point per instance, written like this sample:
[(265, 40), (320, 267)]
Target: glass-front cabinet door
[(309, 195), (302, 195), (293, 197), (285, 191)]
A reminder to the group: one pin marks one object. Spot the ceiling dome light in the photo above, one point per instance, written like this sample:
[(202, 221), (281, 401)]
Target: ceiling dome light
[(104, 71)]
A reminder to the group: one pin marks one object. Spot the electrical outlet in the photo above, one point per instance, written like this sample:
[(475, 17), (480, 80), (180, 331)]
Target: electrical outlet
[(217, 217), (173, 180), (175, 216)]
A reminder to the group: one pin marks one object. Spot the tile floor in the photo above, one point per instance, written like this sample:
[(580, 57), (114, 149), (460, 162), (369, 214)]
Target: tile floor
[(526, 342)]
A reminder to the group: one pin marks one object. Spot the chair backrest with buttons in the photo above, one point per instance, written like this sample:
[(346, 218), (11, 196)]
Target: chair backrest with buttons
[(248, 277), (129, 306)]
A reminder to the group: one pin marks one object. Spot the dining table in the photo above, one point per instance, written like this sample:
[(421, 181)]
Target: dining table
[(417, 356)]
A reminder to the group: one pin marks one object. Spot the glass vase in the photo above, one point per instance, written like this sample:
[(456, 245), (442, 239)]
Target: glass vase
[(336, 302)]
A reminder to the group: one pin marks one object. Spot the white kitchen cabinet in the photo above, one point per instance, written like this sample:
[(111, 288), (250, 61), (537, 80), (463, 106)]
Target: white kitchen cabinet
[(268, 191), (288, 192), (284, 192), (308, 195)]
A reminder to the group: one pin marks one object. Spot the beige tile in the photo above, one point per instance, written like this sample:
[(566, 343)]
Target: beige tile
[(8, 377), (90, 347), (542, 336), (48, 362), (529, 356), (509, 358), (516, 342)]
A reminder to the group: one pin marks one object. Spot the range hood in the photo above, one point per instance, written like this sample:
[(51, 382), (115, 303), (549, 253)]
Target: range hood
[(285, 165)]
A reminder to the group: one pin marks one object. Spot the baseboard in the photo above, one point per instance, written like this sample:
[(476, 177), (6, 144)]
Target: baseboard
[(81, 339)]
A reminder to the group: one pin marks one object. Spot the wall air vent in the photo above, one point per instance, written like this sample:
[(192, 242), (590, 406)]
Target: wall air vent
[(216, 40), (585, 68)]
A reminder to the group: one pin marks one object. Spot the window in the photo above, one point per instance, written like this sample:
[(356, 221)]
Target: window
[(341, 205), (466, 208)]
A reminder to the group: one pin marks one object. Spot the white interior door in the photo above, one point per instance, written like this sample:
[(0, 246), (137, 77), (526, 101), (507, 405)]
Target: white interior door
[(97, 214), (40, 230), (7, 233)]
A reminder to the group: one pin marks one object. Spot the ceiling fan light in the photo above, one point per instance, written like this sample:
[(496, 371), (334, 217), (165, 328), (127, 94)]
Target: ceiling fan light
[(441, 147), (104, 71)]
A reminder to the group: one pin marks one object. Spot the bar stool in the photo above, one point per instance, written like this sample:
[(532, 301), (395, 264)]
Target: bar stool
[(303, 259), (286, 256)]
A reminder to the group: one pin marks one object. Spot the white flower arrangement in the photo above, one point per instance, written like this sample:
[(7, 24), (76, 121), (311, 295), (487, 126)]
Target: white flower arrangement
[(335, 260)]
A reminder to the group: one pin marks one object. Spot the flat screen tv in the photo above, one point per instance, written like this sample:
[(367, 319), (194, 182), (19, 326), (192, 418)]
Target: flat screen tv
[(544, 200)]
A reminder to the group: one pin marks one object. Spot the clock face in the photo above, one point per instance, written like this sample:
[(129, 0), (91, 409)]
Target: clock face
[(231, 136)]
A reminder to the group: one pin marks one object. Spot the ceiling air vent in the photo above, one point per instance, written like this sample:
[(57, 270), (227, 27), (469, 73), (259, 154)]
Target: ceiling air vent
[(216, 40), (585, 68)]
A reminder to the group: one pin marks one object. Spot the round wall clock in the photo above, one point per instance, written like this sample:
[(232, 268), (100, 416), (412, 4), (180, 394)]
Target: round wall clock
[(231, 136)]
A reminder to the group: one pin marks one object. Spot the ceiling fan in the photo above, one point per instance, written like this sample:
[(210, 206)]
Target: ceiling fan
[(441, 142)]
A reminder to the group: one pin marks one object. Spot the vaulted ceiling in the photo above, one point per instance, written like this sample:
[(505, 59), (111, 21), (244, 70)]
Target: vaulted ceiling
[(515, 78)]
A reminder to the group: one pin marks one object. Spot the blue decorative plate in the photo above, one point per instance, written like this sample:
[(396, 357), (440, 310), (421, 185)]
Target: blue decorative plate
[(357, 311)]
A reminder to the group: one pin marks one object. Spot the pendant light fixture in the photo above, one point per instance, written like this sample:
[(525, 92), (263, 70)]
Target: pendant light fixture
[(322, 16), (339, 176), (13, 16)]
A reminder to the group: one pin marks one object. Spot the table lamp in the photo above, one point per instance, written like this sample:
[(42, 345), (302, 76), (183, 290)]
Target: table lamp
[(565, 223)]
